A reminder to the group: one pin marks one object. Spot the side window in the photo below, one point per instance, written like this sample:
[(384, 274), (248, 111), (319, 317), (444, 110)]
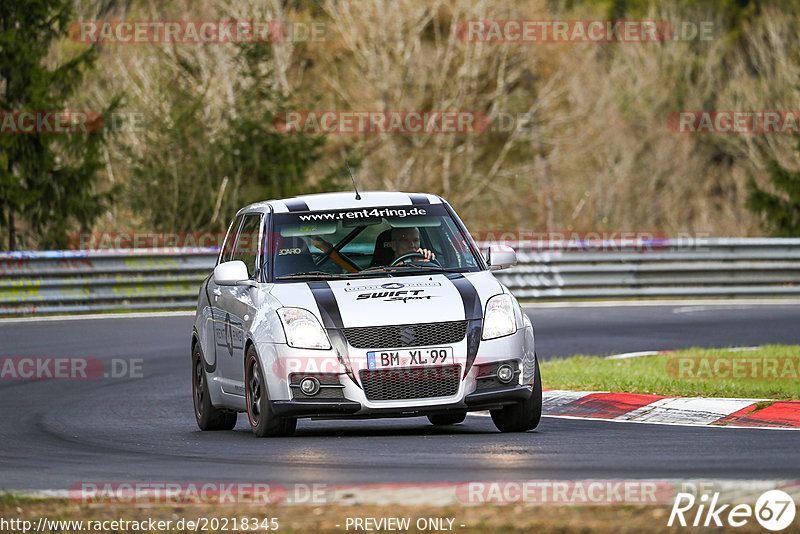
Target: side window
[(227, 247), (246, 248)]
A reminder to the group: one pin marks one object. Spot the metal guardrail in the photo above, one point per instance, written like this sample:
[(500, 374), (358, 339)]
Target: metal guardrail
[(80, 281), (96, 280), (723, 267)]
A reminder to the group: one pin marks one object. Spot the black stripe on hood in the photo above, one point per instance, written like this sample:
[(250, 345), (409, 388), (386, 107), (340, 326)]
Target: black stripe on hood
[(326, 302), (473, 312), (332, 322)]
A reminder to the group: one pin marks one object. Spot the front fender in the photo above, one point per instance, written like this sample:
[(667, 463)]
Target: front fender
[(268, 357)]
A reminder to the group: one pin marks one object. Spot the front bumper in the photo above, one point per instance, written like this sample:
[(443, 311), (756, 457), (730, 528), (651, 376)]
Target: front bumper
[(346, 409), (344, 397), (310, 408)]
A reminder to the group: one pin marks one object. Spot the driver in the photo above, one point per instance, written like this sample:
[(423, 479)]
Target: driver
[(406, 240)]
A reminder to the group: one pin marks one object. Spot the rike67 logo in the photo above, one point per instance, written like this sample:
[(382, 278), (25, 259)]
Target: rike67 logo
[(774, 510)]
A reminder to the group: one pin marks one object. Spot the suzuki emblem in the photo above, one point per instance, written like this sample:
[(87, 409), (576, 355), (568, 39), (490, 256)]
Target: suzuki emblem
[(407, 335)]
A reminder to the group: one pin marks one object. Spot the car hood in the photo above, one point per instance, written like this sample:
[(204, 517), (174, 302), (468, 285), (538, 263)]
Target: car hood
[(397, 300)]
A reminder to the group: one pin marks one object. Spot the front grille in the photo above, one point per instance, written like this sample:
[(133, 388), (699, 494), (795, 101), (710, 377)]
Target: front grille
[(411, 383), (406, 335)]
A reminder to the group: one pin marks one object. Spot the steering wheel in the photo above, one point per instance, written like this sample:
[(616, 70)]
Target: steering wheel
[(404, 257)]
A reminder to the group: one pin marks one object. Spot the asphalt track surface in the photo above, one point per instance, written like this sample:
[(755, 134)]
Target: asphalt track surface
[(58, 433)]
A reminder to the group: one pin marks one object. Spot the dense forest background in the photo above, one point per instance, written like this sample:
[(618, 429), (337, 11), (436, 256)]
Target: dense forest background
[(589, 146)]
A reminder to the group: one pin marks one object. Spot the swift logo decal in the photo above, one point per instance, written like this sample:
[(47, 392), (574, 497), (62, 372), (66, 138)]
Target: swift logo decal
[(403, 295)]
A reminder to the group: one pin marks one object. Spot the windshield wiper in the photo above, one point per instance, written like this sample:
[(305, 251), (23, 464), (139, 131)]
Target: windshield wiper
[(376, 269), (311, 274), (392, 268), (432, 267)]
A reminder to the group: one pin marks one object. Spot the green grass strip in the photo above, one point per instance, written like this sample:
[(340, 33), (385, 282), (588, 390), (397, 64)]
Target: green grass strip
[(770, 372)]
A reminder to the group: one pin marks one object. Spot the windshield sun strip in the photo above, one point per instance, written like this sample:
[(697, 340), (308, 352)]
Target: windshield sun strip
[(443, 211)]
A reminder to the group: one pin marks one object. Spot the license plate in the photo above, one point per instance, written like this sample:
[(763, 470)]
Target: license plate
[(380, 359)]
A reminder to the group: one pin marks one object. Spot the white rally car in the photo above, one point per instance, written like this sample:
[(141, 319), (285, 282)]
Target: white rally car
[(342, 305)]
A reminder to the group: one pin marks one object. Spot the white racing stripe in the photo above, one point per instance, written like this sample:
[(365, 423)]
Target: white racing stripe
[(626, 355), (692, 411), (557, 398), (681, 411), (694, 425)]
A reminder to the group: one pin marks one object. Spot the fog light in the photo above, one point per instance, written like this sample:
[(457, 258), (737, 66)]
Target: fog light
[(309, 386), (505, 373)]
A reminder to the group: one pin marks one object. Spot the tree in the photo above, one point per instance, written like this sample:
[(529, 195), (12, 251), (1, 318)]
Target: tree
[(275, 163), (194, 168), (780, 210), (47, 180)]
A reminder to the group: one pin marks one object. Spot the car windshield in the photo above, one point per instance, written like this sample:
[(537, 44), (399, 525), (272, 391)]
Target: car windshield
[(362, 242)]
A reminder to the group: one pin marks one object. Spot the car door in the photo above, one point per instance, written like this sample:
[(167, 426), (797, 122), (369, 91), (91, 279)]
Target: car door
[(214, 344), (236, 305)]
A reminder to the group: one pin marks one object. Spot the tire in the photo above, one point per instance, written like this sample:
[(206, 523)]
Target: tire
[(447, 418), (208, 417), (524, 415), (263, 420)]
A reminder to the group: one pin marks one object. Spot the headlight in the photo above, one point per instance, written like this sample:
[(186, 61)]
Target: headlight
[(303, 330), (499, 318)]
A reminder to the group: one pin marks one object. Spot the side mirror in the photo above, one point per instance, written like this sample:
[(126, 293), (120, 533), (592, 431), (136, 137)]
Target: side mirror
[(500, 257), (232, 273)]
